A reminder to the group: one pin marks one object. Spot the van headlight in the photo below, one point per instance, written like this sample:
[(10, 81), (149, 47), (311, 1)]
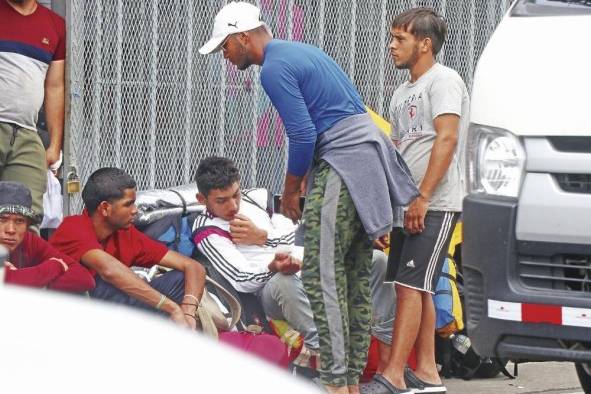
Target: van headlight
[(495, 161)]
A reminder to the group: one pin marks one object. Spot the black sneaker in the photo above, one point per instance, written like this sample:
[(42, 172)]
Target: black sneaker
[(419, 386)]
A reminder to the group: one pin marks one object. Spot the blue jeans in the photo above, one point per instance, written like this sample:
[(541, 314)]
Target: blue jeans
[(283, 298), (171, 284)]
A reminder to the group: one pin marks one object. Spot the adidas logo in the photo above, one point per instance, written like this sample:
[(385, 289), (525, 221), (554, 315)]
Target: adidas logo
[(411, 264)]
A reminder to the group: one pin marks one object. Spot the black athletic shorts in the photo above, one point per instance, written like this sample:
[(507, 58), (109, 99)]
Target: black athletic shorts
[(416, 261)]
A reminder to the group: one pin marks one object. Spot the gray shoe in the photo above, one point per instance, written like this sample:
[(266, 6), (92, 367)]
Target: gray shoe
[(419, 386), (381, 385)]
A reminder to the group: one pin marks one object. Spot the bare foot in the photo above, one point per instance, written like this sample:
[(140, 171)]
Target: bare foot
[(427, 377), (337, 390), (353, 389)]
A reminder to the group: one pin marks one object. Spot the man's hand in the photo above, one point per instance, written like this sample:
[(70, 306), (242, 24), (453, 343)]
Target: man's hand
[(414, 220), (382, 243), (178, 316), (244, 232), (189, 308), (285, 264), (10, 266), (52, 155), (290, 206)]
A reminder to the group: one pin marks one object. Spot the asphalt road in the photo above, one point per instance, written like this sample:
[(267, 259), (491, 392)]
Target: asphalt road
[(533, 378)]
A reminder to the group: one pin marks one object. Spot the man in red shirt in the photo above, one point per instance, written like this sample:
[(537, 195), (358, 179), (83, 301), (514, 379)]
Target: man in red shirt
[(32, 261), (104, 239), (32, 64)]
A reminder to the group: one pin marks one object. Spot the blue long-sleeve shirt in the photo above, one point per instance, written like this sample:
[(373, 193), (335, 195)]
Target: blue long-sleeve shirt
[(310, 92)]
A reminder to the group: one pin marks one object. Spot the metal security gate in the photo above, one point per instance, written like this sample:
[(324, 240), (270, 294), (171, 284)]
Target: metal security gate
[(143, 99)]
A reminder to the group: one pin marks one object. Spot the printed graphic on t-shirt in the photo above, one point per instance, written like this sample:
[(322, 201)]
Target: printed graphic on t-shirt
[(409, 118)]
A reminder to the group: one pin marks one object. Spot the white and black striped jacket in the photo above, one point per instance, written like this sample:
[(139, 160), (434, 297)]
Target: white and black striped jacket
[(244, 266)]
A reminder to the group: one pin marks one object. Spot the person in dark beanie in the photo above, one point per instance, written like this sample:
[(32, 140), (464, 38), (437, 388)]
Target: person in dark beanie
[(31, 260)]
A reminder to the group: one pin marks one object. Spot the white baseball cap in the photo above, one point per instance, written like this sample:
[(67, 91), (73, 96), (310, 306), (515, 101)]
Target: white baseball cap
[(235, 17)]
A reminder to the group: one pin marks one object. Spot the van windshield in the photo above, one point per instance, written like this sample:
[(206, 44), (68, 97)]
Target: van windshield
[(551, 7)]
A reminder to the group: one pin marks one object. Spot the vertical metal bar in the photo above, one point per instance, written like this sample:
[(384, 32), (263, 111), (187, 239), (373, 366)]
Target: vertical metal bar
[(97, 87), (352, 40), (289, 13), (188, 94), (441, 55), (321, 21), (472, 22), (68, 160), (119, 83), (383, 47), (221, 148), (255, 116), (153, 93)]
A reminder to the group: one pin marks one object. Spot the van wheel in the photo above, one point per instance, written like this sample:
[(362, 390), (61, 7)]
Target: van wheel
[(584, 372)]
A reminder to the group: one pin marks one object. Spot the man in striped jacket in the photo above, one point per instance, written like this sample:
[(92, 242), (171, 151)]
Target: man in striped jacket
[(255, 252)]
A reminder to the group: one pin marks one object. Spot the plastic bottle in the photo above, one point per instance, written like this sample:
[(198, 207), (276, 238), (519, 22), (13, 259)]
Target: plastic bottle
[(461, 343), (469, 359)]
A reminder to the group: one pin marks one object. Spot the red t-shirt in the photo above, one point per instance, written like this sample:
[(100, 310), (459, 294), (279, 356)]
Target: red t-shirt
[(28, 46), (76, 236), (36, 268)]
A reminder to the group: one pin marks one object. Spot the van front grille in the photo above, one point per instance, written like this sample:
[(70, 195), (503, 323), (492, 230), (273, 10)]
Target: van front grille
[(574, 183), (570, 273), (474, 301)]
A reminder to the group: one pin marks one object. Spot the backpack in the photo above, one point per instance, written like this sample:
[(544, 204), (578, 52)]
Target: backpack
[(447, 300), (174, 231), (263, 346), (448, 305)]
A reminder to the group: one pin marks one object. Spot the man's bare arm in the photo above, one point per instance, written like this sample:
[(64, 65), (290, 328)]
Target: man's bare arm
[(122, 277), (54, 108), (442, 153), (290, 200), (193, 270), (194, 282)]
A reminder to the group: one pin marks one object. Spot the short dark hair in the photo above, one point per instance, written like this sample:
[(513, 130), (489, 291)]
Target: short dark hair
[(423, 22), (105, 184), (215, 173)]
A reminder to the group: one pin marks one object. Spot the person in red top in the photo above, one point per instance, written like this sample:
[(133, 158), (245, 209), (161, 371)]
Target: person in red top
[(32, 64), (32, 261), (104, 239)]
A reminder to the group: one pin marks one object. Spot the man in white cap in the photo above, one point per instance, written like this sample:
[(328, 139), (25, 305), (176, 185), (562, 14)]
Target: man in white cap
[(330, 135)]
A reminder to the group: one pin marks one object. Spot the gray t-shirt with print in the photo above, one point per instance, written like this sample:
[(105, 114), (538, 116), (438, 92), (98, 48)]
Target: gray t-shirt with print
[(413, 108)]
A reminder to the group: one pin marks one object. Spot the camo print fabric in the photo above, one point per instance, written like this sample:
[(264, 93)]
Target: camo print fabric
[(335, 273)]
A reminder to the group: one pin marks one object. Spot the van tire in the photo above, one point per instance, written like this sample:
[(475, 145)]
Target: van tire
[(584, 372)]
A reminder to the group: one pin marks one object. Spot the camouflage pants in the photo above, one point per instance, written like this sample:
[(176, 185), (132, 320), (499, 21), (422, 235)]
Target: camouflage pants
[(335, 273)]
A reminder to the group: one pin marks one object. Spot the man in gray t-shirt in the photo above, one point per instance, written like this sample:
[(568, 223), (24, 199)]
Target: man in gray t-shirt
[(429, 115), (414, 109)]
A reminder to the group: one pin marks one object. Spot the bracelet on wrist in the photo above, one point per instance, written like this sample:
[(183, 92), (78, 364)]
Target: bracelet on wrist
[(191, 296), (191, 315), (161, 302)]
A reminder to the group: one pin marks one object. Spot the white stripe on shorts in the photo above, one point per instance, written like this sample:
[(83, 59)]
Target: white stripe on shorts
[(441, 238)]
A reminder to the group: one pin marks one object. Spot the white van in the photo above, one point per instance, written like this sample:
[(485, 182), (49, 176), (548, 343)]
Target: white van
[(527, 217)]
